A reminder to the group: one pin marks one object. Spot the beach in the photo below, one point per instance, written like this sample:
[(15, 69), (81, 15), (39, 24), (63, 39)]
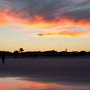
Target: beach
[(45, 73), (48, 69)]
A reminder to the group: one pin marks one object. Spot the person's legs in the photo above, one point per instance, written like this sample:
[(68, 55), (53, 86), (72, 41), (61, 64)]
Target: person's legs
[(3, 61)]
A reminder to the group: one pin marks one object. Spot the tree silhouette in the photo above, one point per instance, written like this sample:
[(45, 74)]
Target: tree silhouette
[(16, 53), (21, 50), (66, 50)]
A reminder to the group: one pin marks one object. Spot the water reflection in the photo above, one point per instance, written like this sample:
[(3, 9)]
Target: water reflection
[(20, 84)]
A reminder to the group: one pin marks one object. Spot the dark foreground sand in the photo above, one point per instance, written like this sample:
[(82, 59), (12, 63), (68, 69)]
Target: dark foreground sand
[(60, 69)]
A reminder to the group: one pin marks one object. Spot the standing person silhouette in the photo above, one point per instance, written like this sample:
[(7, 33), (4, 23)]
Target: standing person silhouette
[(3, 57)]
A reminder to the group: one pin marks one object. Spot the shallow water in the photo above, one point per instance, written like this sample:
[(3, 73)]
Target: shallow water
[(17, 83)]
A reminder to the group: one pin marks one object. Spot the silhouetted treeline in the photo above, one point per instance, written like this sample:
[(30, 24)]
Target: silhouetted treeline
[(51, 53)]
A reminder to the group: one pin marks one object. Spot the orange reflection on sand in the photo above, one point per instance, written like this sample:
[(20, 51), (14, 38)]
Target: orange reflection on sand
[(20, 84), (15, 84)]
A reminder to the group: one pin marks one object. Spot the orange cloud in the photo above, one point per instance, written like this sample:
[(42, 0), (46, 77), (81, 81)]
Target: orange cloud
[(67, 27), (41, 23), (9, 17), (68, 34)]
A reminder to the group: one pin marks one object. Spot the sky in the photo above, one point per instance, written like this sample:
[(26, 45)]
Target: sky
[(41, 25)]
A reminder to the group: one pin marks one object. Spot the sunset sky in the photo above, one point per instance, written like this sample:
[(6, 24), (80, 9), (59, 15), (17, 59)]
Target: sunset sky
[(40, 25)]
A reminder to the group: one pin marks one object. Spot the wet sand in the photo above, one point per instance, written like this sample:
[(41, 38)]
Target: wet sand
[(59, 69), (17, 83)]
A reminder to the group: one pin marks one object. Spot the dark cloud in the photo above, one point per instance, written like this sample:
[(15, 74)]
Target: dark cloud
[(81, 12), (49, 9)]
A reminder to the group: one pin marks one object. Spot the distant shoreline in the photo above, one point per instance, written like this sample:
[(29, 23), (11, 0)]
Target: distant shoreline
[(51, 53)]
